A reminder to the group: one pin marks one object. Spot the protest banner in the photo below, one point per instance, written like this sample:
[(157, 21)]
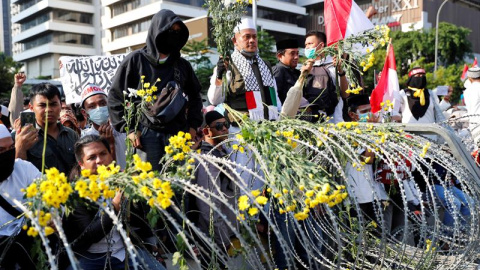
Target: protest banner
[(77, 72)]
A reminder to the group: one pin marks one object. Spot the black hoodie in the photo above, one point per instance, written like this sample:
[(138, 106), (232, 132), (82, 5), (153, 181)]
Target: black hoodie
[(145, 62)]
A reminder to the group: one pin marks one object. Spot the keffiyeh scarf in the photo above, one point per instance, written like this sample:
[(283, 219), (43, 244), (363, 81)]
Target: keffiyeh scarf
[(253, 94)]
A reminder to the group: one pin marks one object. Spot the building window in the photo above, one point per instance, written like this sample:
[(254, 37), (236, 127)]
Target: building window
[(70, 16), (279, 16), (131, 28), (125, 6), (74, 38), (37, 42), (28, 4), (35, 21)]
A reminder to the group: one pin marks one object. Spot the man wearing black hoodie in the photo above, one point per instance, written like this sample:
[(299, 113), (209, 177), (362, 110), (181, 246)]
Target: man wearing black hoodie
[(159, 59)]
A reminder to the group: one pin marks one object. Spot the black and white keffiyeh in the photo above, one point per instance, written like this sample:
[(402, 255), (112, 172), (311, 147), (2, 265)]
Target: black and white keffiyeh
[(244, 65)]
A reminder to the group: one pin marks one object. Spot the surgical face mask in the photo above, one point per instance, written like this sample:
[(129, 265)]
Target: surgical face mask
[(99, 115), (248, 54), (363, 117), (310, 53)]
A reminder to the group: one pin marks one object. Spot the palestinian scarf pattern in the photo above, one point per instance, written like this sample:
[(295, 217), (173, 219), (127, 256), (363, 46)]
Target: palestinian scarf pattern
[(253, 93)]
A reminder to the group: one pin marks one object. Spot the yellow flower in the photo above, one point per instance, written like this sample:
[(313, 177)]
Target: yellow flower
[(309, 193), (300, 216), (49, 230), (241, 217), (146, 85), (235, 147), (255, 193), (165, 203), (243, 203), (32, 190), (86, 173), (32, 232), (374, 224), (148, 99), (241, 149), (285, 191), (262, 200), (146, 192), (253, 211)]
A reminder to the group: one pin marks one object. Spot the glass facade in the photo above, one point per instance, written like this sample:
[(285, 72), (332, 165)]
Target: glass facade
[(35, 21), (131, 28), (58, 38), (279, 16), (37, 42), (70, 16), (125, 6)]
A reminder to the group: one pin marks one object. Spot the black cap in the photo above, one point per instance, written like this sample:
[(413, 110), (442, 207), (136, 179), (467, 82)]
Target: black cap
[(212, 116), (358, 100), (287, 44)]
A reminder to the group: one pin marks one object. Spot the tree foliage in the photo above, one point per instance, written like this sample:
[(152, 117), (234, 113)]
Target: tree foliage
[(266, 43), (8, 68), (197, 53), (417, 48)]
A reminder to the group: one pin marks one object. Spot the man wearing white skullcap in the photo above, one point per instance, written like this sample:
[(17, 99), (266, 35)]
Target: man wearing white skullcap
[(472, 101), (15, 175), (251, 85)]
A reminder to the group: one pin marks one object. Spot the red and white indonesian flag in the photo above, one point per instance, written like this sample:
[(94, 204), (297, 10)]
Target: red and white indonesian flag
[(387, 84), (344, 18), (465, 69)]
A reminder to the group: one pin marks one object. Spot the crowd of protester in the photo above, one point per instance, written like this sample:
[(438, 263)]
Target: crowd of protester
[(93, 133)]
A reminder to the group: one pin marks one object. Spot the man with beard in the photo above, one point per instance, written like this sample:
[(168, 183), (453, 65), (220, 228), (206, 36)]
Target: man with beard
[(251, 84), (158, 63), (416, 104), (15, 175)]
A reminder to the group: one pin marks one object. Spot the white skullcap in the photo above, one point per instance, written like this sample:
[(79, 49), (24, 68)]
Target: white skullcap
[(473, 72), (4, 133), (245, 23), (5, 111)]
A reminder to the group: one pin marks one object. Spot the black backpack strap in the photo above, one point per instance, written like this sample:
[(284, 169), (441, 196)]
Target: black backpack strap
[(9, 208)]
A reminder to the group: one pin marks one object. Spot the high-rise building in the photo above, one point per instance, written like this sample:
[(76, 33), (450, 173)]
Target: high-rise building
[(44, 30), (126, 22), (5, 38)]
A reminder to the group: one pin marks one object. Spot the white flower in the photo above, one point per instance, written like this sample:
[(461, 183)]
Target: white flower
[(229, 2), (133, 92)]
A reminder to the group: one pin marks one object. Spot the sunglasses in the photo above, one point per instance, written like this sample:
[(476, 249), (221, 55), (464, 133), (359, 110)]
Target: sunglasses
[(219, 125)]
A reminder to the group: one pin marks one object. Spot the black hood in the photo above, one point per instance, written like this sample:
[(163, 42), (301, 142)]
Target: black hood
[(161, 23)]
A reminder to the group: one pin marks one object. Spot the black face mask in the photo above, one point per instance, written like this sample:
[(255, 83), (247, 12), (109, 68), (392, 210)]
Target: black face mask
[(7, 162), (169, 42), (417, 82)]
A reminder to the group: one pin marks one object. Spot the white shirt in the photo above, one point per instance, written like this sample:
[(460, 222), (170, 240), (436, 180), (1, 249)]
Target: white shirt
[(472, 102), (22, 176), (362, 185), (120, 145)]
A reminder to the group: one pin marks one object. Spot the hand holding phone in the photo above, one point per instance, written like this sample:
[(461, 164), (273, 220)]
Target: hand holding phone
[(27, 118)]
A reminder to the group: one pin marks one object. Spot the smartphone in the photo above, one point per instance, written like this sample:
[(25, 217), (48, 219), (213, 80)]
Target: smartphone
[(27, 118)]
